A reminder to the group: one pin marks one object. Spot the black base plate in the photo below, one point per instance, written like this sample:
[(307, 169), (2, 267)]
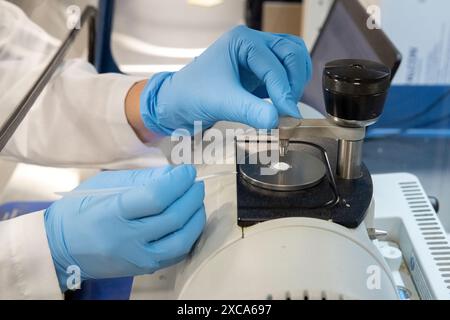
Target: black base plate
[(258, 205)]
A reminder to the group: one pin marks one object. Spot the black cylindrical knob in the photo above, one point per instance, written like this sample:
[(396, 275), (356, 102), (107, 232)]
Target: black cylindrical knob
[(355, 91)]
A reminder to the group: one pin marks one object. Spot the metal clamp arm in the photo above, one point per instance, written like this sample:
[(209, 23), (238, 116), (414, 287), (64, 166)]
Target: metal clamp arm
[(319, 128), (15, 119)]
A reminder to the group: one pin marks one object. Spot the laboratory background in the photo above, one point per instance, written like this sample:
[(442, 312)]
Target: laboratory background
[(407, 147)]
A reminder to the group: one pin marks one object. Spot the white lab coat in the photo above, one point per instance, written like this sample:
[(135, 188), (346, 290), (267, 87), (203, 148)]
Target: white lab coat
[(78, 121)]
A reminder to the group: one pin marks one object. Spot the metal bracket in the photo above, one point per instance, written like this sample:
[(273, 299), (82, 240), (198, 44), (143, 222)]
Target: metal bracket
[(319, 128)]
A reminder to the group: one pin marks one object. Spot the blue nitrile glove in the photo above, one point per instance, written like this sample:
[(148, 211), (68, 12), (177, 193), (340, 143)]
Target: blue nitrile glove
[(228, 81), (136, 232)]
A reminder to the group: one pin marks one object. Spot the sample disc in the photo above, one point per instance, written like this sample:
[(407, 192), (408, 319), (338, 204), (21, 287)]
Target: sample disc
[(296, 171)]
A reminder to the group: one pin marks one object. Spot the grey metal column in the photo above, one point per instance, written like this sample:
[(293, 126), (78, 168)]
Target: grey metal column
[(349, 159)]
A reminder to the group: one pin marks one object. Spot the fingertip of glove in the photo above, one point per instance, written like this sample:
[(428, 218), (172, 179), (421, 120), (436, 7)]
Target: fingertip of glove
[(289, 108), (295, 112), (200, 188), (267, 118), (185, 171), (164, 170)]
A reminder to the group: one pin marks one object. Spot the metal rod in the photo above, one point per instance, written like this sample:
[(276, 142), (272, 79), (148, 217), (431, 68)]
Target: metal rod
[(15, 119), (92, 36), (284, 147)]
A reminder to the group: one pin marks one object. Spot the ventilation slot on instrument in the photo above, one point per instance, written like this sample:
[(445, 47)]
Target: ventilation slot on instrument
[(429, 226), (305, 295)]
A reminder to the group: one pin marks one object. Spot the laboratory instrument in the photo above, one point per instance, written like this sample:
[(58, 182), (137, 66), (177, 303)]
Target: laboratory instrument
[(322, 229)]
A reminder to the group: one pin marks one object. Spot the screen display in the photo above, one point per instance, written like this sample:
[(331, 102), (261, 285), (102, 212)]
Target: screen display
[(341, 38)]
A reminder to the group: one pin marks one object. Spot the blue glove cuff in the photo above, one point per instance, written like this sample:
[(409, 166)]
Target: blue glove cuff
[(148, 103), (59, 252)]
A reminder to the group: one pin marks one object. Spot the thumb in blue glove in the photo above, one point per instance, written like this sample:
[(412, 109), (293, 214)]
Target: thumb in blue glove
[(137, 232), (228, 81)]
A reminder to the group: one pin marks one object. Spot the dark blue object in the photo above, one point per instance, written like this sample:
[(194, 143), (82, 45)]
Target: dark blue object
[(104, 60), (415, 111), (107, 289), (15, 209)]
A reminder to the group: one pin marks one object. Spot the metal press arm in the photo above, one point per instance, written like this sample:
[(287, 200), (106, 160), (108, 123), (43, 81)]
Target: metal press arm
[(350, 141)]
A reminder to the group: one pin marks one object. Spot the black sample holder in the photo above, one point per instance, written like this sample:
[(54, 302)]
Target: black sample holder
[(257, 205)]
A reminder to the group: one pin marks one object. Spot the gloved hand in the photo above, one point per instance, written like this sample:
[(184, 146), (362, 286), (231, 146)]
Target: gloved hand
[(137, 232), (228, 81)]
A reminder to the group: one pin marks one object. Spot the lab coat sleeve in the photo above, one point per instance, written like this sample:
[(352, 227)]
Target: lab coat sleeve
[(79, 119), (26, 265)]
